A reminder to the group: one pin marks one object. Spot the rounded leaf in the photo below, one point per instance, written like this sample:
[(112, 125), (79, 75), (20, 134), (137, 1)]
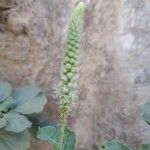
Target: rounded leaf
[(9, 103), (16, 122), (146, 112), (14, 141), (30, 99), (50, 134), (113, 145), (2, 123), (146, 146), (5, 90)]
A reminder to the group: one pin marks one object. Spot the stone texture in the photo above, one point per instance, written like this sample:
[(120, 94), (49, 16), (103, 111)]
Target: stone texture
[(114, 79)]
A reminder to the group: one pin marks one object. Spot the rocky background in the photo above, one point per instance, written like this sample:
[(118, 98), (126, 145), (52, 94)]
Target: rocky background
[(114, 71)]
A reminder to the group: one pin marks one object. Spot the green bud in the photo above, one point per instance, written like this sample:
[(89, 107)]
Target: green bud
[(70, 37), (70, 75), (69, 47), (73, 70), (71, 54), (72, 42), (65, 89), (72, 60), (70, 85), (68, 66)]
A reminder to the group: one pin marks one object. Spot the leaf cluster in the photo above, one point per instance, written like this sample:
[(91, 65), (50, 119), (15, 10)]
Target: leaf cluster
[(15, 107)]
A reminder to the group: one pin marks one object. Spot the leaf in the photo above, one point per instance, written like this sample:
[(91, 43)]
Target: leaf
[(38, 120), (30, 99), (7, 104), (146, 146), (16, 122), (51, 134), (14, 141), (2, 123), (70, 140), (113, 145), (5, 90), (146, 112)]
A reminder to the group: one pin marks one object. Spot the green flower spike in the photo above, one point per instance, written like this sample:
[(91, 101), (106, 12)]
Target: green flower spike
[(66, 89)]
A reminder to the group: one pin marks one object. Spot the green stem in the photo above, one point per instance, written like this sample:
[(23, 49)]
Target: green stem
[(62, 136), (64, 115)]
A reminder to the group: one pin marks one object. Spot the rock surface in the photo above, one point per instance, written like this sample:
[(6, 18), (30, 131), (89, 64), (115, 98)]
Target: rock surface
[(114, 79)]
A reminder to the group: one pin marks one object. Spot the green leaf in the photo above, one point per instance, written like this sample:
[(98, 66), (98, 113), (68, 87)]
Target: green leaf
[(2, 123), (113, 145), (7, 104), (14, 141), (146, 112), (146, 146), (16, 122), (30, 99), (5, 90), (51, 134), (38, 120), (69, 140)]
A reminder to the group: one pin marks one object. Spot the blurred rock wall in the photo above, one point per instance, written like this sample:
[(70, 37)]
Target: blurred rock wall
[(114, 79)]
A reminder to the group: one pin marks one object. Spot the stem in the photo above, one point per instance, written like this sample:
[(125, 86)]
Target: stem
[(64, 115), (62, 135)]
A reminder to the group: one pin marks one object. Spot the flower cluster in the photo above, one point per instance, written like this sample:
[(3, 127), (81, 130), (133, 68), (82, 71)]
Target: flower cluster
[(66, 88)]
